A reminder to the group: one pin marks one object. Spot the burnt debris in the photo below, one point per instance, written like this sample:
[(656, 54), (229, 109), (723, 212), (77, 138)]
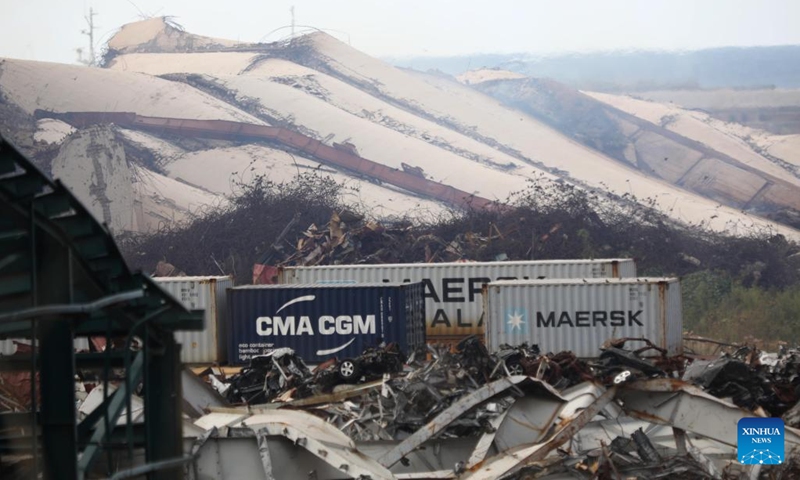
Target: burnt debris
[(524, 413)]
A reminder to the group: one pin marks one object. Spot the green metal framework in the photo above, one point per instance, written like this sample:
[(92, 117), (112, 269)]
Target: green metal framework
[(61, 277)]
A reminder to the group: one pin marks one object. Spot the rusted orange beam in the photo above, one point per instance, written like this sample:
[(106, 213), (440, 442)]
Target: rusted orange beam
[(225, 129)]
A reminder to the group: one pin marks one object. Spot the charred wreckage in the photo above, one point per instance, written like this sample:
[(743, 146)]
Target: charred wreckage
[(462, 412)]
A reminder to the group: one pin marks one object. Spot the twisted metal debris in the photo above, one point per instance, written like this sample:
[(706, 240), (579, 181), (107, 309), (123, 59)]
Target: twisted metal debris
[(520, 413)]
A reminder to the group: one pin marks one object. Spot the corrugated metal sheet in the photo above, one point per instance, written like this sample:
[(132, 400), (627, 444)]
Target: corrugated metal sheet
[(580, 315), (453, 290), (202, 293), (324, 321), (674, 303)]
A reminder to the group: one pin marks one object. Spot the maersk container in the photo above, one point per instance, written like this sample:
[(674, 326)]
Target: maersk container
[(580, 315), (321, 322), (453, 290), (202, 293)]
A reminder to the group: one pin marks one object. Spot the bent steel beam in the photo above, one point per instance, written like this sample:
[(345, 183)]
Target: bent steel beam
[(325, 443), (337, 157), (71, 309), (115, 407), (512, 460), (447, 416)]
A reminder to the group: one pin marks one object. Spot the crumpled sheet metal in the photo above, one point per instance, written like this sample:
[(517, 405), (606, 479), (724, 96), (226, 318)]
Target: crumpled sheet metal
[(597, 433), (453, 412), (438, 454), (751, 379), (673, 402), (198, 395), (324, 441), (583, 408), (221, 420), (487, 439), (463, 415), (509, 461), (582, 396), (334, 397), (398, 405), (529, 420)]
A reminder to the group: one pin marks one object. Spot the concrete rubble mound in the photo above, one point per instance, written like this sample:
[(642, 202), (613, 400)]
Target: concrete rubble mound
[(463, 412)]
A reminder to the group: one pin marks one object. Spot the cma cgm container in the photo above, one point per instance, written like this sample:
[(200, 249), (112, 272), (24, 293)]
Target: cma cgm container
[(202, 293), (580, 315), (453, 290), (321, 322)]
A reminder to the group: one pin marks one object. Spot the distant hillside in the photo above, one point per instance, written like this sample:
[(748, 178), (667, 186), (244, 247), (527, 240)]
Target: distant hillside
[(175, 122), (687, 148), (750, 67)]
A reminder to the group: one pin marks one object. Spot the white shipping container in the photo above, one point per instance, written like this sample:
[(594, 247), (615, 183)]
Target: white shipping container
[(453, 291), (580, 315), (209, 345)]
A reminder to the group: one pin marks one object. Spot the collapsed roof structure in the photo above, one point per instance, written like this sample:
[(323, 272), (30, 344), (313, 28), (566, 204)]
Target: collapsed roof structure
[(417, 128), (632, 413)]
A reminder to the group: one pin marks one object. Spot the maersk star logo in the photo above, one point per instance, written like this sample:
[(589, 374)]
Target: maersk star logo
[(517, 320)]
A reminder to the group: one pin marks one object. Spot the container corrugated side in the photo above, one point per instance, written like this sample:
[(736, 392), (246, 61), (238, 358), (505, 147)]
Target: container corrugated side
[(320, 322), (620, 269), (453, 290), (674, 317), (202, 293), (581, 315)]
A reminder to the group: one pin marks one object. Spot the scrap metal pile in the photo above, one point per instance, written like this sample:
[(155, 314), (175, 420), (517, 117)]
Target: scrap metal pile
[(520, 413), (284, 376), (346, 238), (752, 380), (349, 239)]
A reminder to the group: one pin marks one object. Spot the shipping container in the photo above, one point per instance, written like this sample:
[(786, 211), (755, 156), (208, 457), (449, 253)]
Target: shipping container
[(581, 315), (209, 345), (320, 322), (453, 290)]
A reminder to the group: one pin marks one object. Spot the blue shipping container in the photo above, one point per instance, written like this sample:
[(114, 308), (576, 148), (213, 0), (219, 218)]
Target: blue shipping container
[(320, 322)]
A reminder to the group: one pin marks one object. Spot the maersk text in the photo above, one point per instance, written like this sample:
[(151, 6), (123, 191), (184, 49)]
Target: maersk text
[(587, 318)]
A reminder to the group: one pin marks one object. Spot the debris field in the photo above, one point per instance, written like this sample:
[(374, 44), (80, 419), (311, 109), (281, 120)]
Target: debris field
[(462, 412)]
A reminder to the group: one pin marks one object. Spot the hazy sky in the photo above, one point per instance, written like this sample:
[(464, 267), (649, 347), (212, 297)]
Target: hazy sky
[(50, 29)]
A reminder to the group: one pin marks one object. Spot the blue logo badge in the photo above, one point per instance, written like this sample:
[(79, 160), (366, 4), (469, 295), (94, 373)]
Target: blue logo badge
[(516, 320), (760, 441)]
